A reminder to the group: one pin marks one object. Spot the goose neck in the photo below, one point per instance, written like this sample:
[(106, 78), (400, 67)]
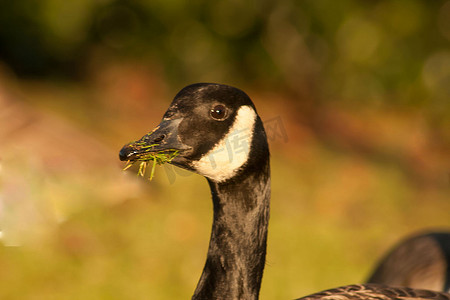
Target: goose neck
[(237, 249)]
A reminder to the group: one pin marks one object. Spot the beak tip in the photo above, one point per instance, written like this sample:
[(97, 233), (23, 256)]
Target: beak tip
[(124, 153)]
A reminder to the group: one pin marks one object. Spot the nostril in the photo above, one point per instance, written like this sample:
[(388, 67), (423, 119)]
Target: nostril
[(159, 139)]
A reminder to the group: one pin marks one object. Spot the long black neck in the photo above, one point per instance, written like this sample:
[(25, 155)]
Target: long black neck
[(237, 249)]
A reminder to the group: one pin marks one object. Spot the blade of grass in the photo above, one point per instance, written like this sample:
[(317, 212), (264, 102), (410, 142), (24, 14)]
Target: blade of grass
[(127, 165), (152, 173), (142, 168)]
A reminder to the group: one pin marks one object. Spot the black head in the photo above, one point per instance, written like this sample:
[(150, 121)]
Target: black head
[(214, 127)]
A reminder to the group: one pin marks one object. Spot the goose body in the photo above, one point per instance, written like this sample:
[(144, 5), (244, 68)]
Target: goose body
[(421, 261), (218, 134), (375, 292)]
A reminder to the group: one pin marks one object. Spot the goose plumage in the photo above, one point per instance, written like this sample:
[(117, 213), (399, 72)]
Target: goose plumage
[(375, 292), (420, 261), (218, 134)]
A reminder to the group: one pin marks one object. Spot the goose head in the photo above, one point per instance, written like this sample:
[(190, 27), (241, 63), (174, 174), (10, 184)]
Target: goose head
[(217, 133), (214, 128)]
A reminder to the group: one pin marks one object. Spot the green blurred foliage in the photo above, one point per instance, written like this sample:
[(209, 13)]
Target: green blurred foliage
[(358, 51)]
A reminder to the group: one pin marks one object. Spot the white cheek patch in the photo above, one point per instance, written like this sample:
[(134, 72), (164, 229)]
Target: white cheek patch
[(231, 152)]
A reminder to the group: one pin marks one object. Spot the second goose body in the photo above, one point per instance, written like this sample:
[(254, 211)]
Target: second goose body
[(420, 261)]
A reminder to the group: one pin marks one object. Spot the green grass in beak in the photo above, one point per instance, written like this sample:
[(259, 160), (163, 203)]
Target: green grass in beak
[(160, 158)]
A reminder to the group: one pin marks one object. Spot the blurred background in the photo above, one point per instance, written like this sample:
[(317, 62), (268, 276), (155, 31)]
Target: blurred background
[(355, 96)]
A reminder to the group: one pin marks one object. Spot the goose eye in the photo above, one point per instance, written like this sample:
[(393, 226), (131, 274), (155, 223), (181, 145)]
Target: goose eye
[(219, 112)]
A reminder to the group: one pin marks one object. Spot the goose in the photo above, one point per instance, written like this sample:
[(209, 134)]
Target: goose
[(217, 133), (420, 261)]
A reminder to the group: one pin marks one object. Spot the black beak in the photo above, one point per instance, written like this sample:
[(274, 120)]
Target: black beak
[(163, 139)]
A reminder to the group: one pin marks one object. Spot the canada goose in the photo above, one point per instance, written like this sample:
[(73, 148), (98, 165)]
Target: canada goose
[(421, 261), (218, 134)]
